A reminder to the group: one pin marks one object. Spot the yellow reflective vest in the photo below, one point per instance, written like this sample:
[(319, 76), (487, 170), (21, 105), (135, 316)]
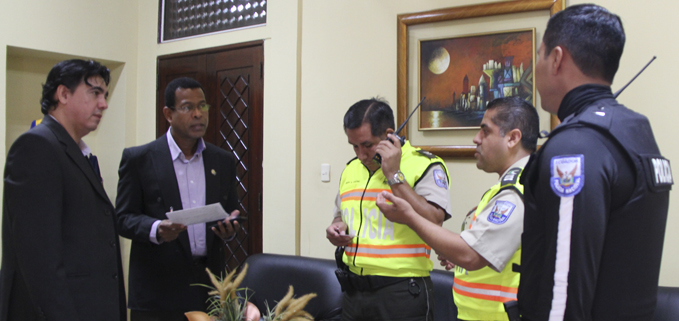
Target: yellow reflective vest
[(381, 247), (480, 294)]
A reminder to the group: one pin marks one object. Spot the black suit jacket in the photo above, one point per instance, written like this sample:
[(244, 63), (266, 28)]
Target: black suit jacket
[(60, 251), (161, 274)]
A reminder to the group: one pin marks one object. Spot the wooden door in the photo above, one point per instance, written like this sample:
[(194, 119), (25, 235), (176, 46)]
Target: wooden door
[(233, 82)]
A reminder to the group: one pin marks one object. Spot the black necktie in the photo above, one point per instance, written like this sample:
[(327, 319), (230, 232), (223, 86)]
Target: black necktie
[(95, 165)]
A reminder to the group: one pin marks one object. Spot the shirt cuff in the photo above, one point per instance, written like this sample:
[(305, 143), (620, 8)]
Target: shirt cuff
[(154, 233)]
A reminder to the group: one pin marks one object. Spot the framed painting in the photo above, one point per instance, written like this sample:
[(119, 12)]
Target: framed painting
[(480, 32), (459, 76)]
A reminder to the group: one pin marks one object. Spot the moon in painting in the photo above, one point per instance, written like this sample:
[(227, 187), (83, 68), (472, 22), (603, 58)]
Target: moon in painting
[(439, 60)]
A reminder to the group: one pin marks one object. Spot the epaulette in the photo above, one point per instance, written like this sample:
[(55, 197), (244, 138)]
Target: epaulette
[(426, 153), (511, 176)]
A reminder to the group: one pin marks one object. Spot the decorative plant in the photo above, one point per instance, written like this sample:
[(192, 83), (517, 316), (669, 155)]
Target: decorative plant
[(289, 308), (224, 303)]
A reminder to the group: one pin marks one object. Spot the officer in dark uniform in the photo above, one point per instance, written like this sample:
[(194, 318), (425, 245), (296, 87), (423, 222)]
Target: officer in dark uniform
[(597, 192)]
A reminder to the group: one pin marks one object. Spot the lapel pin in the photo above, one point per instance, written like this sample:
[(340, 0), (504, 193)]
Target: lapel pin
[(214, 172)]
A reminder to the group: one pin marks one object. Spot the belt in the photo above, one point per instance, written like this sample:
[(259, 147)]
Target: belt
[(372, 282)]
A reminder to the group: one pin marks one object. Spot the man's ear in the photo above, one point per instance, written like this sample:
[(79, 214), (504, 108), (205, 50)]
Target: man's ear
[(514, 137), (168, 113), (386, 132), (556, 59), (62, 94)]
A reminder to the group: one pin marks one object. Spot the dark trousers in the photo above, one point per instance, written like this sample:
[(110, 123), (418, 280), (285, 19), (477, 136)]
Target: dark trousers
[(198, 296), (409, 300)]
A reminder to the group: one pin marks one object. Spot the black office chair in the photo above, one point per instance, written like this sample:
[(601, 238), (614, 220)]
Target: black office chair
[(269, 276), (444, 307)]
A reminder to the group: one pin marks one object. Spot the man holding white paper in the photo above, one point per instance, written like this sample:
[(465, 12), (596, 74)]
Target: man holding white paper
[(178, 171)]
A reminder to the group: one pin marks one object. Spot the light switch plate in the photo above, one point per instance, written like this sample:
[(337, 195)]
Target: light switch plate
[(325, 172)]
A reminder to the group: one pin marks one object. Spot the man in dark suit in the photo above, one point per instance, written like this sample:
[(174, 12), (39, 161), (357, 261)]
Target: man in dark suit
[(176, 171), (60, 251)]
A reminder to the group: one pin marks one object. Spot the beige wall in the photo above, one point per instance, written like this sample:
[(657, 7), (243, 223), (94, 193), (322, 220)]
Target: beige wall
[(320, 57)]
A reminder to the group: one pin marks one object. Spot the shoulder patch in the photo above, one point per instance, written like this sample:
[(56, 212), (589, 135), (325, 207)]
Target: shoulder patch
[(501, 212), (440, 178), (426, 153), (567, 175), (511, 176)]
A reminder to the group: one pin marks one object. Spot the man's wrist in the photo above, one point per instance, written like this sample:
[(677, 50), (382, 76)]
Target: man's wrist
[(396, 178)]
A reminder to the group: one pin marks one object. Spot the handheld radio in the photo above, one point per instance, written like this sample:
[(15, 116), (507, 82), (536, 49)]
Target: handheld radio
[(402, 139)]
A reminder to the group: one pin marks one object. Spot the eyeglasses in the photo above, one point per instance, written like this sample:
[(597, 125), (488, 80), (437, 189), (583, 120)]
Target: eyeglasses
[(185, 109)]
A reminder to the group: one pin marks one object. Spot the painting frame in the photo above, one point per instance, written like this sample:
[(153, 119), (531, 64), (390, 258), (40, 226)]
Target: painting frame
[(404, 21), (510, 75)]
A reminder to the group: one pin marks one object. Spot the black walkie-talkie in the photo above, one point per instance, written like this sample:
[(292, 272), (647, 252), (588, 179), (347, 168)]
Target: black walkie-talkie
[(402, 139)]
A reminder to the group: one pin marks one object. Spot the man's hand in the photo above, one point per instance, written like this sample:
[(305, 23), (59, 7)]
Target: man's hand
[(224, 229), (251, 312), (168, 231), (391, 155), (444, 262), (400, 211), (336, 233)]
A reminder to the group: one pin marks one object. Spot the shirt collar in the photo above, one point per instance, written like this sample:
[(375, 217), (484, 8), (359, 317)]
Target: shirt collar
[(84, 148), (175, 151)]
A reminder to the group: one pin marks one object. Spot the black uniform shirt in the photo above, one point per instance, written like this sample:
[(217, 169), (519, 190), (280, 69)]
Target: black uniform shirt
[(588, 254)]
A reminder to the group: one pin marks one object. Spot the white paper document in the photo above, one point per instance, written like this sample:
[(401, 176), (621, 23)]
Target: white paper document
[(208, 213)]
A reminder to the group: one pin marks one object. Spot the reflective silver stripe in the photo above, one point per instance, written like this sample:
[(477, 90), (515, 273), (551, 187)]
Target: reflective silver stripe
[(484, 291), (352, 194), (364, 250), (563, 260), (359, 194)]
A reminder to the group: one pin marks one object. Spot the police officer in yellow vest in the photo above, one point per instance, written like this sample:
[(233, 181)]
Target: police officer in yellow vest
[(386, 264), (490, 243)]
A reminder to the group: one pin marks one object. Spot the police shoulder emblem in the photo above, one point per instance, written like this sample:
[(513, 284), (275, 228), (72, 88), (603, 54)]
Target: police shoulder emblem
[(440, 178), (501, 212), (567, 175)]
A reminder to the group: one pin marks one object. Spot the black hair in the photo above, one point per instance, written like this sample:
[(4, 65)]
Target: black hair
[(183, 82), (514, 112), (593, 36), (374, 111), (70, 73)]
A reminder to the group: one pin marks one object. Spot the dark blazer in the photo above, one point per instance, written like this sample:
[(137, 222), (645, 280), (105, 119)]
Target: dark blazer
[(60, 251), (161, 275)]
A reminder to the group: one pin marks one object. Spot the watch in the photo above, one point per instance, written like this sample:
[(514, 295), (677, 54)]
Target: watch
[(398, 178)]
